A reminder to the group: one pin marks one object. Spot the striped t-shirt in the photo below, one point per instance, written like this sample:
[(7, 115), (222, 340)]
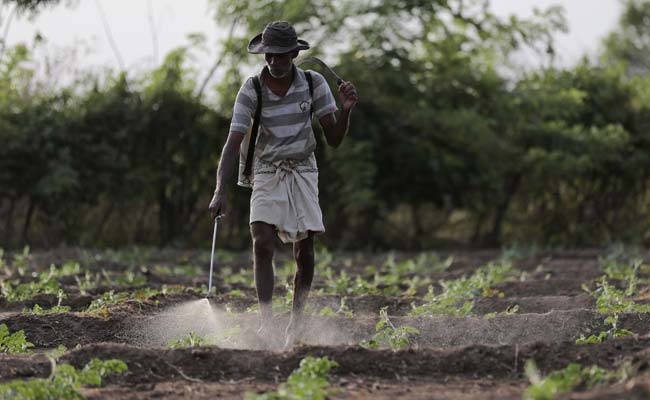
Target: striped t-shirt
[(285, 124)]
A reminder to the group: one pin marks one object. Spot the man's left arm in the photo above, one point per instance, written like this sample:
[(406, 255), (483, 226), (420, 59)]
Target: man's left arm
[(335, 130)]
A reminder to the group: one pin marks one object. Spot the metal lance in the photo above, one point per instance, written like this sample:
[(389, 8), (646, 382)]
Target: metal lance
[(329, 71), (214, 239)]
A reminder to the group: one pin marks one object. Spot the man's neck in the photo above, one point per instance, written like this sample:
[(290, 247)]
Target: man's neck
[(285, 81), (279, 86)]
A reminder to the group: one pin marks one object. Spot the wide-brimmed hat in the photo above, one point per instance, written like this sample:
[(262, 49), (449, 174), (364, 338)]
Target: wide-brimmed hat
[(278, 37)]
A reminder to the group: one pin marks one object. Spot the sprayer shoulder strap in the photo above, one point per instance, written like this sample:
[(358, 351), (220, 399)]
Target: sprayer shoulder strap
[(310, 83), (258, 113), (255, 129)]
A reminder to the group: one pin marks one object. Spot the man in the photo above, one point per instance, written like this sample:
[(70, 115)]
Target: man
[(284, 175)]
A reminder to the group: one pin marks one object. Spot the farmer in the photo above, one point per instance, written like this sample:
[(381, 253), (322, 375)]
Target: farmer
[(284, 175)]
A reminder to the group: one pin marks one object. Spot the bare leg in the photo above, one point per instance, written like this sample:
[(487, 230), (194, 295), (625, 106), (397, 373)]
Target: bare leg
[(263, 235), (303, 252)]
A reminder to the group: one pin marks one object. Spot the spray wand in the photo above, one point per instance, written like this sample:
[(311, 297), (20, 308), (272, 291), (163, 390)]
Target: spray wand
[(214, 239)]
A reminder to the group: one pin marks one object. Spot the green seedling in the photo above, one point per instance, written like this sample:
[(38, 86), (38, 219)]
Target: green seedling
[(14, 342), (37, 310), (456, 298), (243, 276), (194, 340), (610, 300), (574, 375), (191, 340), (57, 352), (517, 252), (309, 381), (99, 307), (344, 285), (343, 310), (324, 258), (26, 291), (21, 261), (397, 338), (237, 294), (612, 333), (65, 382)]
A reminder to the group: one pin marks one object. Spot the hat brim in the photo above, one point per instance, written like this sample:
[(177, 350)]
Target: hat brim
[(255, 46)]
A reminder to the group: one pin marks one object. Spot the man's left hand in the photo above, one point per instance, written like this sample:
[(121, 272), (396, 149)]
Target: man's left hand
[(348, 95)]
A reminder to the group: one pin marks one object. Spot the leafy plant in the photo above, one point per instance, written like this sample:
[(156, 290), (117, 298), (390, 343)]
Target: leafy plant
[(13, 343), (343, 310), (25, 291), (194, 340), (37, 310), (243, 276), (191, 340), (21, 261), (309, 381), (396, 338), (57, 352), (612, 333), (457, 295), (547, 388), (343, 284), (99, 307), (64, 383), (610, 300)]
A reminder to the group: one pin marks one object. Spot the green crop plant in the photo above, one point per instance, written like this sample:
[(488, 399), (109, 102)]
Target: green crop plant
[(324, 258), (189, 270), (87, 281), (243, 276), (610, 300), (456, 298), (343, 310), (424, 263), (38, 310), (574, 375), (191, 340), (57, 352), (99, 307), (237, 294), (517, 252), (26, 291), (343, 284), (387, 334), (612, 333), (194, 340), (21, 261), (309, 381), (65, 381), (13, 342)]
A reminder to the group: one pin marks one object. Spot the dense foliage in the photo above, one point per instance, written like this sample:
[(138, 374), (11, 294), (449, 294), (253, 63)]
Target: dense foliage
[(449, 143)]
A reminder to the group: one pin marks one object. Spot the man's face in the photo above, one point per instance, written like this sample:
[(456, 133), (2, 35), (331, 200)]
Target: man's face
[(279, 63)]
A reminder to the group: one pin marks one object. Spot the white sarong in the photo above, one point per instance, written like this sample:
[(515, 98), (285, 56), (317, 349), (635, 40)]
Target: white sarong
[(285, 194)]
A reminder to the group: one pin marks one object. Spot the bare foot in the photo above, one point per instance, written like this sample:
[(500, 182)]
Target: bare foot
[(294, 331)]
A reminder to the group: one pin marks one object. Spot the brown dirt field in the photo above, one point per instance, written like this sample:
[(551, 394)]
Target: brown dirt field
[(480, 356)]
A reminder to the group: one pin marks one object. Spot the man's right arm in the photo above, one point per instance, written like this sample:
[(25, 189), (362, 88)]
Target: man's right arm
[(225, 171)]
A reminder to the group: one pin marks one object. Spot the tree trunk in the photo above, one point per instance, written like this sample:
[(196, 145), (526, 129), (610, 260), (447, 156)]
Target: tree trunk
[(103, 221), (511, 186), (9, 222), (28, 221)]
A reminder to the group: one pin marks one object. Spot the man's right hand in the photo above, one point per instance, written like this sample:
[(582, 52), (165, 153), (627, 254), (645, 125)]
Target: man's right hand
[(217, 206)]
